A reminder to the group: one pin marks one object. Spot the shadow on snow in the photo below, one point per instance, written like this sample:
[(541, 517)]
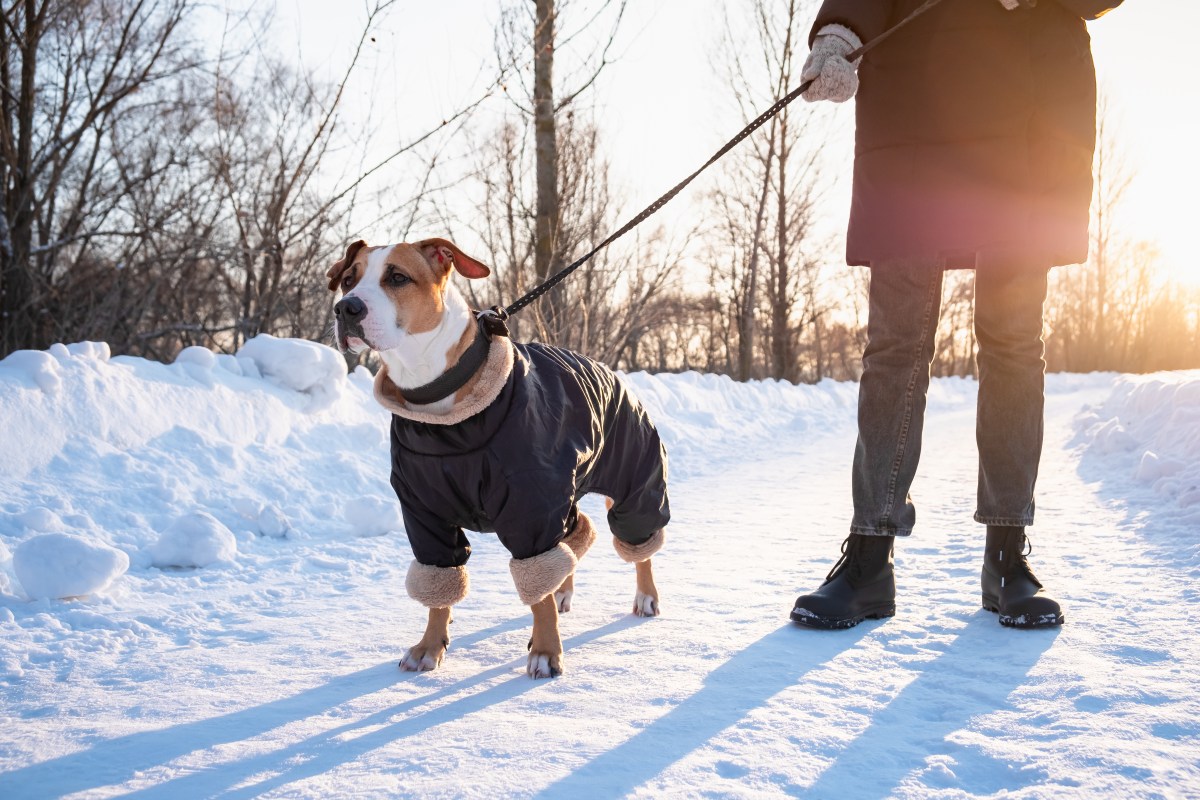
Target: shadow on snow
[(115, 761), (996, 659), (897, 741)]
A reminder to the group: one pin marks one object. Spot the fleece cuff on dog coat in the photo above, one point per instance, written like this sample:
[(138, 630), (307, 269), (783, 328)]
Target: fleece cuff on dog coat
[(633, 553), (436, 587), (540, 575), (581, 537)]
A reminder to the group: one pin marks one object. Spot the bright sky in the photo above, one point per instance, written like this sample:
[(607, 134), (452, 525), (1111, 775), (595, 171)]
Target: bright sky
[(664, 109)]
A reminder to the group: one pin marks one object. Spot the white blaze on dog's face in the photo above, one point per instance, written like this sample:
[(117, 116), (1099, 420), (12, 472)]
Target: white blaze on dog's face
[(399, 301)]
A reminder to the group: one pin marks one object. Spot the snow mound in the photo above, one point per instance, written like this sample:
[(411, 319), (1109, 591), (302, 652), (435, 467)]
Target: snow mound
[(35, 367), (200, 356), (41, 520), (273, 523), (373, 516), (96, 351), (59, 565), (197, 539), (299, 365), (1153, 422), (266, 519)]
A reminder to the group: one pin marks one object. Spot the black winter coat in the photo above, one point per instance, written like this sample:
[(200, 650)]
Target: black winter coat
[(975, 130), (563, 426)]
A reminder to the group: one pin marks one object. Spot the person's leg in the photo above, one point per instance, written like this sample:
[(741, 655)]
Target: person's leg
[(1009, 430), (1012, 376), (905, 300)]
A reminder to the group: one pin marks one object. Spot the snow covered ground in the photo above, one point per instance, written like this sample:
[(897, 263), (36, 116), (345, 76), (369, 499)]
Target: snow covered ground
[(201, 595)]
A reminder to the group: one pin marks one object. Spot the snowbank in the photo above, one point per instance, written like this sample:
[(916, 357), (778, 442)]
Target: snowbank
[(205, 461), (1151, 425), (111, 462)]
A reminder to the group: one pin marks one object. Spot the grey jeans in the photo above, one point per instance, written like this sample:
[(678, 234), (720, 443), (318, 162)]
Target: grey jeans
[(905, 301)]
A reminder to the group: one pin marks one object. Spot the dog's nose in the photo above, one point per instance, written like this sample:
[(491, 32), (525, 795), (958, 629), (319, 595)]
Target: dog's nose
[(350, 309)]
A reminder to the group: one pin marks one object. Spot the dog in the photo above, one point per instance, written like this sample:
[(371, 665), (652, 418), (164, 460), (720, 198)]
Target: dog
[(494, 436)]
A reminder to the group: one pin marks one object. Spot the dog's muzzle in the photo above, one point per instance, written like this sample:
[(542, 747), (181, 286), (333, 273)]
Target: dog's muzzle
[(349, 312)]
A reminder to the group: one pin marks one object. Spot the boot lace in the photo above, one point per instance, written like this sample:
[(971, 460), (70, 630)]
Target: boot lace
[(849, 551), (854, 559), (1019, 559)]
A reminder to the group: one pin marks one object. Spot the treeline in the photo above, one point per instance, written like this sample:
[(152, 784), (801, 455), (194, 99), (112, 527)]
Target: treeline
[(161, 191)]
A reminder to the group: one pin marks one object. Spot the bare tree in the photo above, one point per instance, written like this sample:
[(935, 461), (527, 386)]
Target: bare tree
[(158, 195), (1098, 312), (546, 107), (1085, 293), (954, 346), (766, 209), (612, 297), (70, 72), (1169, 337), (272, 130)]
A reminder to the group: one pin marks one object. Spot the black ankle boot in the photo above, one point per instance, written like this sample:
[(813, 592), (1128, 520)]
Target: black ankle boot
[(861, 585), (1009, 586)]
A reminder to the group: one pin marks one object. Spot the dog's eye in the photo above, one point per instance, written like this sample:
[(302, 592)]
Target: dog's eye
[(398, 279), (347, 280)]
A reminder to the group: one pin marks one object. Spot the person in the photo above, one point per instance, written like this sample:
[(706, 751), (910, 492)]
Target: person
[(975, 130)]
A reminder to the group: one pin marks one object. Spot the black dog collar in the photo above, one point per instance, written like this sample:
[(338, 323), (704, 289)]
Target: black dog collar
[(457, 376)]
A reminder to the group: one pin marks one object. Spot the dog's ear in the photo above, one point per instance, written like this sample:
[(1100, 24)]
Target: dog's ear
[(335, 272), (439, 251)]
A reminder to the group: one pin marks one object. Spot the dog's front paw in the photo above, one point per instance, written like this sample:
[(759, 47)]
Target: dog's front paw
[(645, 605), (544, 665), (422, 659)]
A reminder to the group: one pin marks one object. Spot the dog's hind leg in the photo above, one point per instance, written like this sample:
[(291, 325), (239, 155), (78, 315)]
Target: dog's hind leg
[(579, 541), (645, 601), (564, 593), (545, 648), (427, 654)]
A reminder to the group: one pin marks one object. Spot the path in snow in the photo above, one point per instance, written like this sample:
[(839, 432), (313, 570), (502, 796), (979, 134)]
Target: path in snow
[(281, 679)]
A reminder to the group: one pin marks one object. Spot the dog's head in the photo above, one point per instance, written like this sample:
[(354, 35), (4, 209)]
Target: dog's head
[(391, 292)]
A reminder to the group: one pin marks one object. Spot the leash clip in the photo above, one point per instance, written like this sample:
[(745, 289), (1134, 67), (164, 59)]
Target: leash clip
[(492, 320)]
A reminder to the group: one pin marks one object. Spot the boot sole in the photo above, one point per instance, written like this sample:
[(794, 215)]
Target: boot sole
[(1045, 621), (810, 620)]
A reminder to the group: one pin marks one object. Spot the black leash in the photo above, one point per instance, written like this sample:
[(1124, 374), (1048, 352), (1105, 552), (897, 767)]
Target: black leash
[(492, 321), (495, 316)]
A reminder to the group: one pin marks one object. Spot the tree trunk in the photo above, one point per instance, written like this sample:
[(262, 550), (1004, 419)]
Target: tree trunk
[(781, 351), (546, 158), (17, 324), (747, 320)]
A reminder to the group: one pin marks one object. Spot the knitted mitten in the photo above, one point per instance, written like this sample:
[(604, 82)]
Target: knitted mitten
[(834, 78)]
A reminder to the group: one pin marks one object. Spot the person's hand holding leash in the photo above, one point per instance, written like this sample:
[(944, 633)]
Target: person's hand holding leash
[(834, 78)]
